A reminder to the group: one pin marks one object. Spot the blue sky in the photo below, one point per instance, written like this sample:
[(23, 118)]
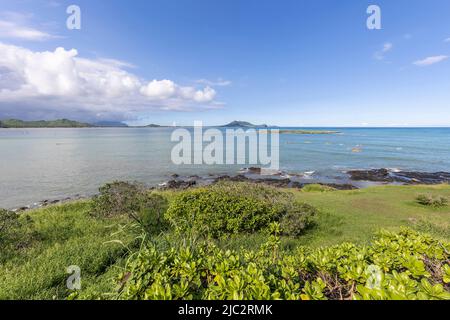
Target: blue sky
[(287, 63)]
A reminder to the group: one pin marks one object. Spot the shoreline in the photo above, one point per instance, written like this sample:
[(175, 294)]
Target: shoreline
[(357, 179)]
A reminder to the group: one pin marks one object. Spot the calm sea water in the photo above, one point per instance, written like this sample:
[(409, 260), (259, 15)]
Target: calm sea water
[(38, 164)]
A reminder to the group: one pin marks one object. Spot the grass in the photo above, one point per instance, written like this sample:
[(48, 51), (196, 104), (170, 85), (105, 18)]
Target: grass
[(68, 235), (362, 212)]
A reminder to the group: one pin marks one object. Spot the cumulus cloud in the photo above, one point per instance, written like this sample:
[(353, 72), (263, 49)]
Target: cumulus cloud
[(60, 83), (163, 89), (430, 61), (379, 55)]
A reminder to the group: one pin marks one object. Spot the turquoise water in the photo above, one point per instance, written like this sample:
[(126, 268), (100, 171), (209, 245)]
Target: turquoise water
[(38, 164)]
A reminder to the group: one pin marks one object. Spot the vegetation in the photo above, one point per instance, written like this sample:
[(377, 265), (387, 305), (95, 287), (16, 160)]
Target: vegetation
[(429, 200), (229, 208), (63, 235), (303, 245), (317, 188), (404, 265), (61, 123), (133, 200)]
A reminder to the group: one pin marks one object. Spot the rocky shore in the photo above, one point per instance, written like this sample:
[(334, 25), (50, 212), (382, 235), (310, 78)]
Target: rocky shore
[(395, 176), (283, 180), (45, 203), (255, 175)]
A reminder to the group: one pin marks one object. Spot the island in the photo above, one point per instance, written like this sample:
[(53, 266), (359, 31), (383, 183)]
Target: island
[(243, 124), (60, 123), (65, 123), (110, 124)]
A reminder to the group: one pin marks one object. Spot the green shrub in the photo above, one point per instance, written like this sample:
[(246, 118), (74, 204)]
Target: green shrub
[(152, 212), (406, 265), (298, 218), (317, 188), (118, 198), (430, 201), (133, 200), (228, 208)]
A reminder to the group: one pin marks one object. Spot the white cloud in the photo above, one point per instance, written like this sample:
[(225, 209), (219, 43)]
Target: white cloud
[(430, 61), (218, 83), (59, 82), (14, 25), (11, 30), (163, 89), (379, 55), (447, 40), (205, 95)]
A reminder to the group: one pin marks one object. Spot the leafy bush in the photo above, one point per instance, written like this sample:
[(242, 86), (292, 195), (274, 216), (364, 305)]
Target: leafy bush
[(131, 199), (430, 201), (298, 218), (229, 208), (317, 188), (118, 198), (404, 265), (152, 212)]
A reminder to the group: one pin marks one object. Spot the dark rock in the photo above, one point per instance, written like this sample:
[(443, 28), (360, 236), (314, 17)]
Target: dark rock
[(379, 175), (280, 183), (178, 184), (407, 177), (422, 177), (238, 178)]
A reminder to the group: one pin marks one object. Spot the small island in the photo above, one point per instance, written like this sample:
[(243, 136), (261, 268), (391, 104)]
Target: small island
[(243, 124)]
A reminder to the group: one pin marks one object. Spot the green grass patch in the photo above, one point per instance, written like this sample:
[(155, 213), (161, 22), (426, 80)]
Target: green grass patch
[(44, 242), (66, 235)]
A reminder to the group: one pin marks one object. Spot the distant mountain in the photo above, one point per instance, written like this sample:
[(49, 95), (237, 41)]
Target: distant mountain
[(110, 124), (153, 126), (60, 123), (243, 124)]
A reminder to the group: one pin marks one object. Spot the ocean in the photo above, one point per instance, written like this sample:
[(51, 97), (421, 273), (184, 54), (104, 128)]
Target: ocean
[(38, 164)]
